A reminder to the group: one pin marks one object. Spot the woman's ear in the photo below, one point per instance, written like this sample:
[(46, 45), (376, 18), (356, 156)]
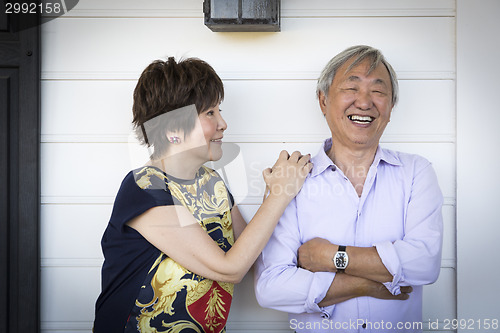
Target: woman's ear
[(174, 137)]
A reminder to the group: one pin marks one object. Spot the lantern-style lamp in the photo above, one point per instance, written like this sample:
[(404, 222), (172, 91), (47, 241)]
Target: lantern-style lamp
[(242, 15)]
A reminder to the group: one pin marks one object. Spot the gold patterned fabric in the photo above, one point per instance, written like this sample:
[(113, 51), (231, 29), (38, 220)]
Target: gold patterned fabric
[(173, 299)]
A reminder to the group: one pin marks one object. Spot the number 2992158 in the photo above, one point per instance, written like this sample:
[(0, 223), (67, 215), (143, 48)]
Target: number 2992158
[(33, 8)]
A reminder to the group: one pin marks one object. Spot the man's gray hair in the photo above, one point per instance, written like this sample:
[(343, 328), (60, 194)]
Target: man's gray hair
[(358, 53)]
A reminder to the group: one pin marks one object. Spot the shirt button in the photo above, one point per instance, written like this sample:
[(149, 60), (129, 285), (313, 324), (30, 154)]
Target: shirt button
[(364, 325)]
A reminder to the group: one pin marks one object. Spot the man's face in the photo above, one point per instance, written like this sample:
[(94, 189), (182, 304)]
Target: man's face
[(358, 106)]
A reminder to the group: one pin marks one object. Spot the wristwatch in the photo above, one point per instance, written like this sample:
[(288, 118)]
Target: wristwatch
[(341, 259)]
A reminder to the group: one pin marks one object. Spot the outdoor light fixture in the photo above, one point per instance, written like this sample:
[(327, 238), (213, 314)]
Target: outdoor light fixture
[(242, 15)]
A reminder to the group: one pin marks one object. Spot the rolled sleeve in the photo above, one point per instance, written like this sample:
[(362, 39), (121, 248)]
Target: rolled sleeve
[(279, 283), (291, 289), (416, 259), (390, 259), (317, 291)]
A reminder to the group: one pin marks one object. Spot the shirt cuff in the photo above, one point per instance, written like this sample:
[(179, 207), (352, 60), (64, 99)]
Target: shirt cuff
[(319, 287), (390, 259)]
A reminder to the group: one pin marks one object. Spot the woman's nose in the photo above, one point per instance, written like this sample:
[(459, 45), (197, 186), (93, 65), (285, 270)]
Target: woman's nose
[(222, 125)]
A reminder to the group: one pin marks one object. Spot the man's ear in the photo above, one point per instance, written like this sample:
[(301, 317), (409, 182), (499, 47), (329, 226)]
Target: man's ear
[(392, 110), (322, 102)]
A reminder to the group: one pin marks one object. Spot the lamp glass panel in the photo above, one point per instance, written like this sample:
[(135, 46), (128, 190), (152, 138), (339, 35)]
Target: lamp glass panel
[(224, 9), (258, 9)]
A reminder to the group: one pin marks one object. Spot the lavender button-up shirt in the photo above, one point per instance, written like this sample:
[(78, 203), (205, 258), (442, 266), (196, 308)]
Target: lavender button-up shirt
[(399, 212)]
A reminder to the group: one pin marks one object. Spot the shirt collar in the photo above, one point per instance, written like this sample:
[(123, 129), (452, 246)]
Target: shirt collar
[(322, 162), (387, 156)]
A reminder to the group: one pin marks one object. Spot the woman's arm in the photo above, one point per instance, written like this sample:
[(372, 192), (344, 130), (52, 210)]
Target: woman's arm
[(174, 231), (239, 222)]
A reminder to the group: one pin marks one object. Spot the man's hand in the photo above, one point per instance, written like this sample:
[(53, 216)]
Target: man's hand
[(345, 287), (316, 255), (378, 290)]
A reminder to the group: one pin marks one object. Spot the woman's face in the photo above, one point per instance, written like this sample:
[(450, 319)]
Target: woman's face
[(206, 137)]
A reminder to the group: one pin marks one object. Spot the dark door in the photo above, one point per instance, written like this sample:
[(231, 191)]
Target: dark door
[(19, 172)]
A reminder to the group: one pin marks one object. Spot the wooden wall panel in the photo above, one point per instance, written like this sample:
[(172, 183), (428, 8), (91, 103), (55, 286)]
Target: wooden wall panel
[(63, 163), (93, 56), (299, 51), (88, 111), (289, 8)]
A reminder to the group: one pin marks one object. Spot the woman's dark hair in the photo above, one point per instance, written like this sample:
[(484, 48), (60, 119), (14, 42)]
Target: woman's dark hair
[(169, 85)]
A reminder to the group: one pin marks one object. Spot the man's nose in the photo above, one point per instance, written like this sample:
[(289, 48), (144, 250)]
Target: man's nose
[(363, 100)]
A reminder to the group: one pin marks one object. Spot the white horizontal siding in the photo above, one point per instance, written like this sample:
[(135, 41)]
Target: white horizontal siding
[(70, 45), (68, 172), (254, 111), (84, 229), (93, 56), (71, 290), (289, 8)]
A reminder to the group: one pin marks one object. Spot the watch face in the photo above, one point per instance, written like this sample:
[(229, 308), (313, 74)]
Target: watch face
[(341, 260)]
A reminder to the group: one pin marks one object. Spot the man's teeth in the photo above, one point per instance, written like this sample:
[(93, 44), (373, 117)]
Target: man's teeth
[(361, 119)]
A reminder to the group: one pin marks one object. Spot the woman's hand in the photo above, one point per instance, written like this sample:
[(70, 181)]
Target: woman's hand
[(286, 177)]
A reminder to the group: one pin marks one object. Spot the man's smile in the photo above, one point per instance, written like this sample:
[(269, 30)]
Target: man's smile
[(360, 119)]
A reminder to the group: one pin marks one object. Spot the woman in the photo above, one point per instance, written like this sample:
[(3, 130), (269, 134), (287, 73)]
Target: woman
[(176, 243)]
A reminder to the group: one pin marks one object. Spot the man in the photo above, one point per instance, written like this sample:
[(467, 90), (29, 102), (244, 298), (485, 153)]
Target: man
[(352, 251)]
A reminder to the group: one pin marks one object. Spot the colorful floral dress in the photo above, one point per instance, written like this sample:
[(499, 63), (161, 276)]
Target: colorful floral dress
[(164, 296)]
